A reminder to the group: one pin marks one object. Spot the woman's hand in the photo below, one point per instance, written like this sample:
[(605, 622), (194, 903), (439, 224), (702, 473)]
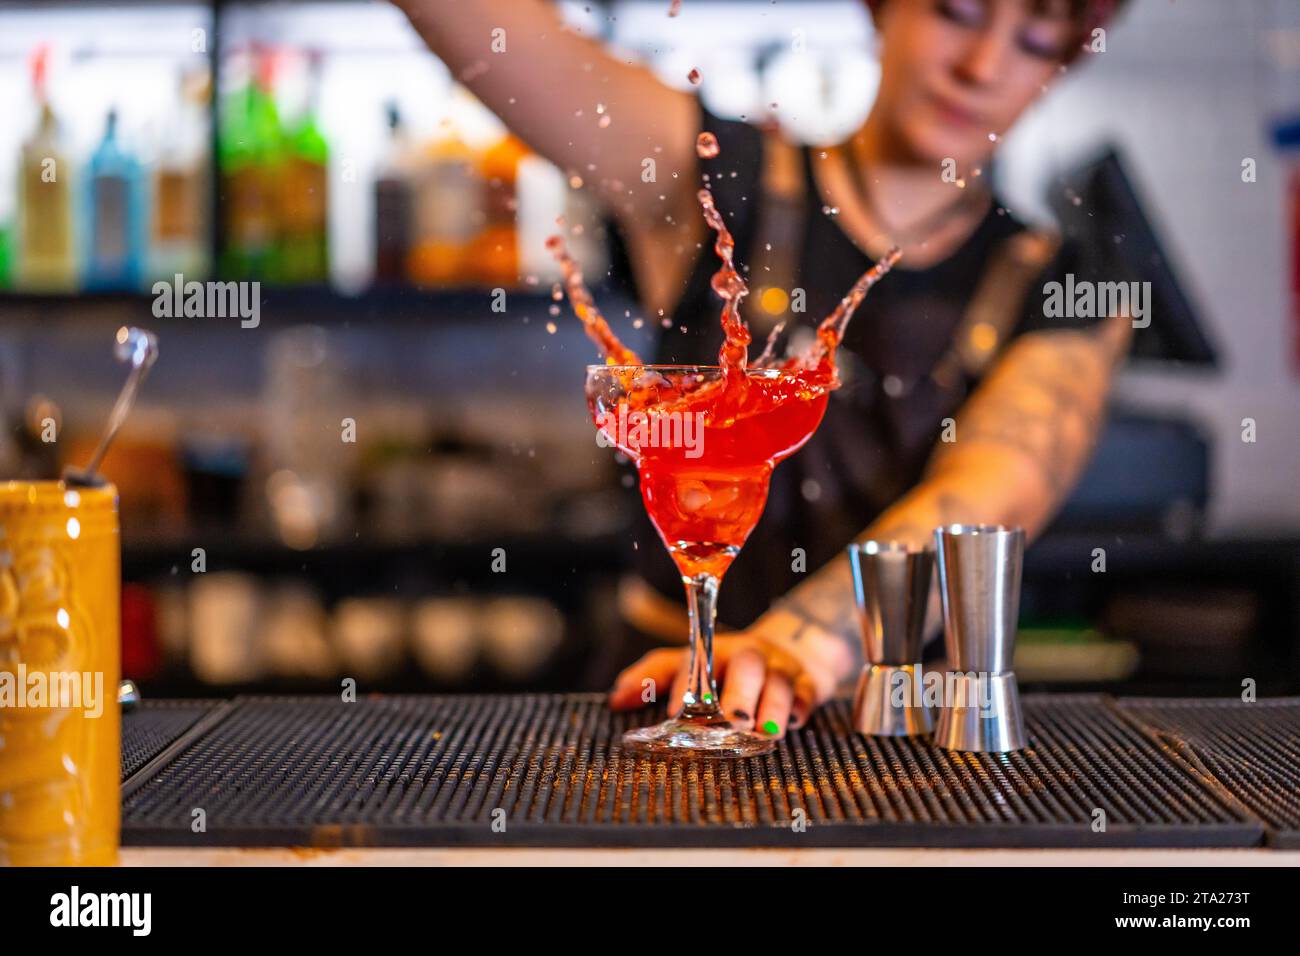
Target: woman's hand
[(768, 681)]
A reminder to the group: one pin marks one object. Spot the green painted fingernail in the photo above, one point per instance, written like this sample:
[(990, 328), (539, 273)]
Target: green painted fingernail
[(771, 727)]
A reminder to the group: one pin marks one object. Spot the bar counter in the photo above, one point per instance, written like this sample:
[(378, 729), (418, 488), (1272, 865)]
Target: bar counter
[(542, 779)]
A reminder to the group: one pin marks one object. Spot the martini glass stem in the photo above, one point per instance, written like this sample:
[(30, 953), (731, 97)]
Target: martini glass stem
[(701, 698)]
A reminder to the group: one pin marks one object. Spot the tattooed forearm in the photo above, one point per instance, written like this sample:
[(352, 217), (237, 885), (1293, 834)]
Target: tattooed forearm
[(1043, 401), (825, 603)]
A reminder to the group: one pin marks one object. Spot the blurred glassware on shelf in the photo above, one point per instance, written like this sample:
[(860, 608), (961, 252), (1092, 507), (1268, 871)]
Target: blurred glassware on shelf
[(309, 437), (448, 211), (142, 655), (224, 609), (294, 634), (393, 201), (368, 635), (172, 618), (47, 252), (115, 217), (496, 253), (103, 163), (520, 634), (216, 466), (250, 155), (180, 231), (445, 638), (303, 193), (6, 257)]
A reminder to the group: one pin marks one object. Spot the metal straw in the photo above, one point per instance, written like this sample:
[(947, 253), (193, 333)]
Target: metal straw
[(139, 347)]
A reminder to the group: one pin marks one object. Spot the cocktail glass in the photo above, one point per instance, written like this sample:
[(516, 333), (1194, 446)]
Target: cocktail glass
[(704, 444)]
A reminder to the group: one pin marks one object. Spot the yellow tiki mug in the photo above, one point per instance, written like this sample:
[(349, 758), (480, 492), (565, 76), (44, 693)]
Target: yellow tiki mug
[(59, 662)]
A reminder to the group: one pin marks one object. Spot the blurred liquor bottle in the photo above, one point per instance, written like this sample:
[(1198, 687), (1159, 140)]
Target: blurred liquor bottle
[(114, 215), (304, 194), (393, 200), (46, 254), (250, 156), (6, 257), (448, 212), (179, 233), (496, 254)]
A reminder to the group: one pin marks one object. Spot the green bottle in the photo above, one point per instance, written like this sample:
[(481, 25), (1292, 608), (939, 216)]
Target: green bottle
[(6, 259), (250, 156), (304, 197)]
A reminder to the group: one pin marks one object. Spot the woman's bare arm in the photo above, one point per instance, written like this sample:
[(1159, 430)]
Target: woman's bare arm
[(546, 85)]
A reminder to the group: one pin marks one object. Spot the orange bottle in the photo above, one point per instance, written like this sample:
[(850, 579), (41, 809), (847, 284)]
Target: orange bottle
[(448, 213), (496, 258)]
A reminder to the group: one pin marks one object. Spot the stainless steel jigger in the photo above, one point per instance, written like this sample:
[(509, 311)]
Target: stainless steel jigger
[(979, 578), (892, 584)]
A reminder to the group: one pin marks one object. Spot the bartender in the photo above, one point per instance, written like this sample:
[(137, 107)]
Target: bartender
[(961, 401)]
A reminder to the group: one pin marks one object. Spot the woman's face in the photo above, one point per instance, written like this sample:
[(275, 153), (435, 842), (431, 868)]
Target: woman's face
[(954, 71)]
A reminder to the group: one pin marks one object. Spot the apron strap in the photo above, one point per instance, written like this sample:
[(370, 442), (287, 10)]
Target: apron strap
[(779, 235), (996, 307)]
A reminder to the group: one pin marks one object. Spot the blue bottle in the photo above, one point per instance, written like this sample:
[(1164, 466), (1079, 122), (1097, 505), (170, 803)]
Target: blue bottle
[(115, 221)]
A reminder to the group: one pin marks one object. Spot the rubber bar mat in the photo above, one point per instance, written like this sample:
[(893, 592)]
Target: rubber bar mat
[(151, 726), (1253, 749), (541, 770)]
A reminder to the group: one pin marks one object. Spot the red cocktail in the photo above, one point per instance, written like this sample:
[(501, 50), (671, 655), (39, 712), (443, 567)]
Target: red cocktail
[(705, 440), (705, 460)]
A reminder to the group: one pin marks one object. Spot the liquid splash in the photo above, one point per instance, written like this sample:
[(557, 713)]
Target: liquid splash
[(814, 368), (598, 330), (730, 287), (821, 354), (765, 357)]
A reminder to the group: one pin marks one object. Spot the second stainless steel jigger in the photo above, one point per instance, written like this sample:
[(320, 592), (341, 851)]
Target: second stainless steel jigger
[(892, 584), (979, 579)]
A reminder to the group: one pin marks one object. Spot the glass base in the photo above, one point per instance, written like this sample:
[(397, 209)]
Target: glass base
[(687, 737)]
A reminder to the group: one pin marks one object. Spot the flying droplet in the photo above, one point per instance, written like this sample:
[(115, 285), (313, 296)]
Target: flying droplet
[(550, 328), (706, 145), (575, 181), (694, 77), (603, 122)]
